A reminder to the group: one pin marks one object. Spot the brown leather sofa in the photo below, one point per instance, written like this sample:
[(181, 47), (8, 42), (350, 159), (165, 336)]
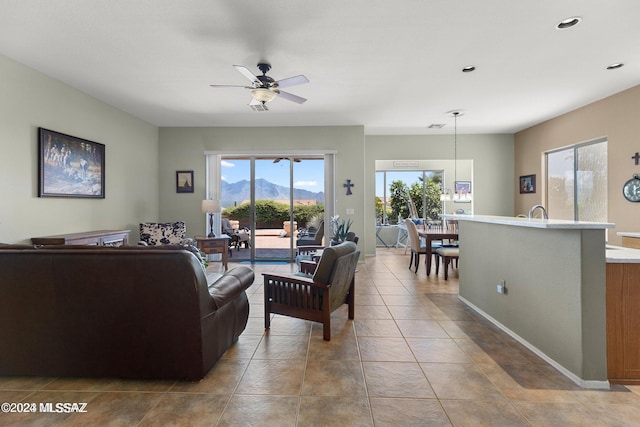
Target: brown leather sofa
[(129, 312)]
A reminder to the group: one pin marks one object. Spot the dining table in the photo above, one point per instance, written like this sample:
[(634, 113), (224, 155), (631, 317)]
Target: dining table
[(431, 234)]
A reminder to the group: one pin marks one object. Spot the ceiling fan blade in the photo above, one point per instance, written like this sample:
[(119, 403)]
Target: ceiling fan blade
[(244, 87), (248, 74), (277, 159), (290, 97), (292, 81)]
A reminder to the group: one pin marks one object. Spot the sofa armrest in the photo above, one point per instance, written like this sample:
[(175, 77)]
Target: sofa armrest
[(230, 285)]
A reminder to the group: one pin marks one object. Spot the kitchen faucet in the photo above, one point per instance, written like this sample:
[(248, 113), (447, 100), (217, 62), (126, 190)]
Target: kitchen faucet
[(533, 209)]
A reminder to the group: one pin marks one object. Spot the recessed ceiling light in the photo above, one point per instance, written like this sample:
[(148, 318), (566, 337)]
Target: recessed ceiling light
[(568, 23), (468, 69), (436, 126), (615, 66)]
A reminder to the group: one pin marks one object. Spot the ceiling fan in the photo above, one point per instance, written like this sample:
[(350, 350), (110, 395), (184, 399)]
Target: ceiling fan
[(277, 160), (264, 88)]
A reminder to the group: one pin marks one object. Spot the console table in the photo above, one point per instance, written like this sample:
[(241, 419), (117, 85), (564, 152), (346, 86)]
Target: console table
[(97, 238), (215, 245)]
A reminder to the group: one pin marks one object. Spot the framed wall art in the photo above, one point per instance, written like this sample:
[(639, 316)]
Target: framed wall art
[(69, 166), (184, 181), (462, 192), (527, 184), (463, 188)]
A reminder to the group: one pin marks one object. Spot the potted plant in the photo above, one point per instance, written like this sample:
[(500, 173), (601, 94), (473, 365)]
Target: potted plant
[(340, 229)]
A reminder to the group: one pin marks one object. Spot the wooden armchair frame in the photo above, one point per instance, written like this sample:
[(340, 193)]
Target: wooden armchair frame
[(314, 298), (305, 257)]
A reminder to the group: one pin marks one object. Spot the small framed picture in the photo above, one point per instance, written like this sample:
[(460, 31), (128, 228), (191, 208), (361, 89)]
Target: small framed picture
[(463, 188), (184, 181), (527, 184)]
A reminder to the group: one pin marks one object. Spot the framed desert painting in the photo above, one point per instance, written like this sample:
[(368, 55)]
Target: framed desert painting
[(184, 181), (69, 166)]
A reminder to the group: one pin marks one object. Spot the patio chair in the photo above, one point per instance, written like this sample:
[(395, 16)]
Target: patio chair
[(312, 239), (351, 237), (314, 298), (238, 237)]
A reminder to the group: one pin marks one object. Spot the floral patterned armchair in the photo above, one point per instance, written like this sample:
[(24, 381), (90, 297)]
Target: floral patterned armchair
[(154, 234)]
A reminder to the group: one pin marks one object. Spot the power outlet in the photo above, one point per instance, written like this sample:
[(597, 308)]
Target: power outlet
[(502, 288)]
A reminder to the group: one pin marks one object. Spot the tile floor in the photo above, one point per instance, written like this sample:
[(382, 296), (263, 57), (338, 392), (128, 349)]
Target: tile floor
[(414, 356)]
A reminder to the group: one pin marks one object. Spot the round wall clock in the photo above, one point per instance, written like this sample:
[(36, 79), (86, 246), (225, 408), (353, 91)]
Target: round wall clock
[(631, 189)]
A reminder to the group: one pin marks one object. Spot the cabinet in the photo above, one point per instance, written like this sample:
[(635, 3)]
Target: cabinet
[(623, 323), (215, 245), (631, 242), (97, 238)]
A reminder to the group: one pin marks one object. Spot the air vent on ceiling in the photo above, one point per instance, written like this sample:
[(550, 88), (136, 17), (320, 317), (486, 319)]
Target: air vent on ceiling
[(259, 107)]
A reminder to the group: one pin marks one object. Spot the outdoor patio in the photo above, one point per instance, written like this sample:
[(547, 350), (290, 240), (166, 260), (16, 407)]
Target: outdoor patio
[(270, 245)]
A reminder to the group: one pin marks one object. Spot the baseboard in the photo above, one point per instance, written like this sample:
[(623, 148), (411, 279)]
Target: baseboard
[(590, 384)]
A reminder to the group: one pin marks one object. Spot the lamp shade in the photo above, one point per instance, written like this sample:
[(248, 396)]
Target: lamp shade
[(210, 206), (263, 95)]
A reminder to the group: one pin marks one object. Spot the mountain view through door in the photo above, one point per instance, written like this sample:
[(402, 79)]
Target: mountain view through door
[(272, 199)]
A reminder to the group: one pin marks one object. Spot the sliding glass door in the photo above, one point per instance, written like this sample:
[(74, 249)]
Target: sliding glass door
[(398, 192), (272, 197)]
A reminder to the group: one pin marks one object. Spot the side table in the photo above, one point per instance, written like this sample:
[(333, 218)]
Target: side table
[(215, 245)]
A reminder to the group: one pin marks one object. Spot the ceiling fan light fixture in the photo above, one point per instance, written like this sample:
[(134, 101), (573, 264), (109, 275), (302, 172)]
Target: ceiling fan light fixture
[(568, 23), (263, 95)]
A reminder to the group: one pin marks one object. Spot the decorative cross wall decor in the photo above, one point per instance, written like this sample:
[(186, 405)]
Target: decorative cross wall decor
[(348, 186), (636, 157)]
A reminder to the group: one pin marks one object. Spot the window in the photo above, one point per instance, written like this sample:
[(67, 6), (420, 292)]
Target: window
[(393, 189), (577, 182)]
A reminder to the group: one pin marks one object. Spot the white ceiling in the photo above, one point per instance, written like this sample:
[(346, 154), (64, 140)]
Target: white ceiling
[(392, 66)]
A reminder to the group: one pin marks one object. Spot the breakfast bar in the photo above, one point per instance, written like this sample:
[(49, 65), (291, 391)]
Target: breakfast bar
[(543, 282)]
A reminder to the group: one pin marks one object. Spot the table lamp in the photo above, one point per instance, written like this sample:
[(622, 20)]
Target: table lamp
[(210, 207)]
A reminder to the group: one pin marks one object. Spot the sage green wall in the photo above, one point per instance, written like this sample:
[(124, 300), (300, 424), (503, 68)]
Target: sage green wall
[(184, 149), (493, 180), (555, 296), (30, 100)]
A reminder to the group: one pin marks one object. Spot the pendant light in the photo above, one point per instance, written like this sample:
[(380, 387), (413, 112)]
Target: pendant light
[(457, 195), (447, 194)]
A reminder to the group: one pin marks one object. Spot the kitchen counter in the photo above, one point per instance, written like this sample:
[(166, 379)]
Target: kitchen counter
[(619, 254), (628, 234), (532, 222)]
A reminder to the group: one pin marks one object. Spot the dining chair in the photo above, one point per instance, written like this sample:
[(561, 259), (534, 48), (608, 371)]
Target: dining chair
[(448, 255), (416, 244)]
